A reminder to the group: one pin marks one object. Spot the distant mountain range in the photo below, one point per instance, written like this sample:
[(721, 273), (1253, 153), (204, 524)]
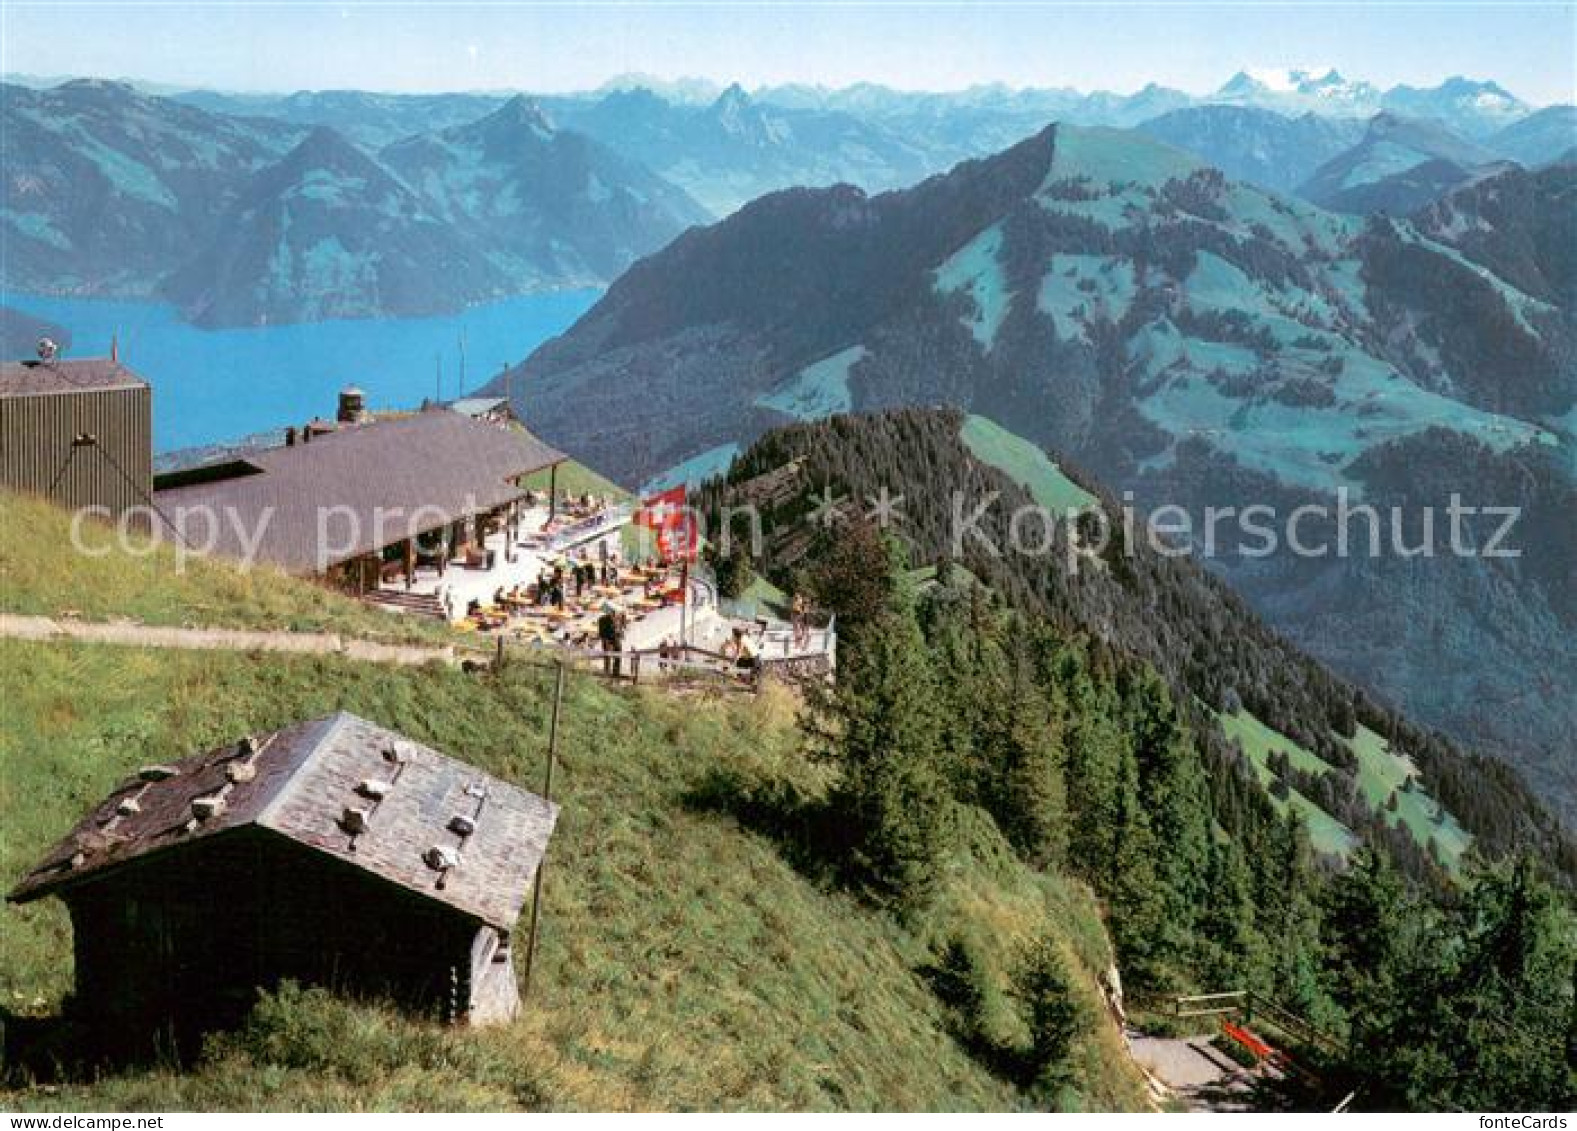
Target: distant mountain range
[(248, 221), (107, 190), (1400, 164), (735, 148), (326, 232), (458, 198), (550, 206), (1188, 337), (1542, 138), (1248, 143), (372, 120)]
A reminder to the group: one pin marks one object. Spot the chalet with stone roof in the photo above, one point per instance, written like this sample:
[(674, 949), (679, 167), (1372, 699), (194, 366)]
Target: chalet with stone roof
[(333, 852)]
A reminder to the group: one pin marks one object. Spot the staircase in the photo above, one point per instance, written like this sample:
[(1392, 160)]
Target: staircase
[(400, 601)]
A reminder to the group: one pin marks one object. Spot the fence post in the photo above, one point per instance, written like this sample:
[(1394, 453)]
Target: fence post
[(547, 794)]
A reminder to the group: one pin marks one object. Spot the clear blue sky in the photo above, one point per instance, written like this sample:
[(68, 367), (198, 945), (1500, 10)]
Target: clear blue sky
[(1526, 45)]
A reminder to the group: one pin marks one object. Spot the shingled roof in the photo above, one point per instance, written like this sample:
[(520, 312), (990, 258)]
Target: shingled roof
[(302, 782), (79, 375), (382, 482)]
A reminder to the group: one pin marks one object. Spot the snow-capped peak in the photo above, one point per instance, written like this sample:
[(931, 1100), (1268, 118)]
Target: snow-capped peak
[(1290, 80), (1299, 89)]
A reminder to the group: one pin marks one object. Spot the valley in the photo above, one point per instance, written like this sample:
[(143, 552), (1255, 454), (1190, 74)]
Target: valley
[(1190, 339)]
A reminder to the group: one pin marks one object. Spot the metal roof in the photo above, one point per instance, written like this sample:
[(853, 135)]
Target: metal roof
[(45, 378), (299, 782), (355, 490)]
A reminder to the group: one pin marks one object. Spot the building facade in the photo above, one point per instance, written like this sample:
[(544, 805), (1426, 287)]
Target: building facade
[(78, 432), (360, 500)]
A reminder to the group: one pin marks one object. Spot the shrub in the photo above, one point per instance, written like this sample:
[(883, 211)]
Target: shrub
[(1054, 1016), (961, 980)]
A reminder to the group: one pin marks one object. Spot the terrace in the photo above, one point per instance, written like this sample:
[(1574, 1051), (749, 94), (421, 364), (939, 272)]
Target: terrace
[(501, 585)]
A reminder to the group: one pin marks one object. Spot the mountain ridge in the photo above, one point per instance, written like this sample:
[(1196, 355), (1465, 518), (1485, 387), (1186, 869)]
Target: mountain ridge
[(1399, 165), (549, 206), (326, 232), (1189, 338), (112, 192)]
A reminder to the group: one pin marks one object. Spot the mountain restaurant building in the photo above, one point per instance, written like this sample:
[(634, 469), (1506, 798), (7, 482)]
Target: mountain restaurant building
[(359, 503)]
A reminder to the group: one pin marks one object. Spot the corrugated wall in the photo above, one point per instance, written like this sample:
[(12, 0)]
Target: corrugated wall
[(36, 435)]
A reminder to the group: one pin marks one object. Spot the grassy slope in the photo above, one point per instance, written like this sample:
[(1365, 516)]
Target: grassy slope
[(684, 962), (1024, 463), (578, 479), (1259, 741), (41, 574), (1380, 772)]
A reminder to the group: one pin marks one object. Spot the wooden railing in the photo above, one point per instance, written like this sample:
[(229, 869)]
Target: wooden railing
[(582, 530), (1253, 1006), (627, 666), (780, 644)]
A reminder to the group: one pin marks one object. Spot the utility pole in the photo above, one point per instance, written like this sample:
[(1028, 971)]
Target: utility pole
[(547, 794), (684, 602), (462, 364)]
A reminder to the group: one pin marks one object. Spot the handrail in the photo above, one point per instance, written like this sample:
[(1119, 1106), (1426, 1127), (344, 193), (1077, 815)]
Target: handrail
[(818, 642), (633, 660), (606, 519), (1250, 1003)]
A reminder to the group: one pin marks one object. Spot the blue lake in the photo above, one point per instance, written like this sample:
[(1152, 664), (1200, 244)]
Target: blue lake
[(211, 385)]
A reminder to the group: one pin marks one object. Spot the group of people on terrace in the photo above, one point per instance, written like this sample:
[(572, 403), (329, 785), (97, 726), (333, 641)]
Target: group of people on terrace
[(568, 595)]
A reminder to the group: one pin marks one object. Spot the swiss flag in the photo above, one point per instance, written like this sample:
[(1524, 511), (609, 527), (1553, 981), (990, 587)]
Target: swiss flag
[(677, 541), (663, 511)]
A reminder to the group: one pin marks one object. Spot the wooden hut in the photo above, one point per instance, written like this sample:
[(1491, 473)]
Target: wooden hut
[(332, 852), (77, 432)]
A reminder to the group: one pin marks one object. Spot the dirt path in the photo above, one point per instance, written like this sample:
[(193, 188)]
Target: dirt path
[(137, 635), (1194, 1072)]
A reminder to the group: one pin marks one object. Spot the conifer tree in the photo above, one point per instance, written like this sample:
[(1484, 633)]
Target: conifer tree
[(1055, 1018), (1030, 799), (1229, 948), (883, 731), (1363, 925)]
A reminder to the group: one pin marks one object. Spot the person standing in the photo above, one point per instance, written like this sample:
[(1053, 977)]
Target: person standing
[(610, 631), (621, 624), (800, 615)]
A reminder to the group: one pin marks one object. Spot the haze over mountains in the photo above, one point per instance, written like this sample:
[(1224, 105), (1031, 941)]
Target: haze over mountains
[(498, 195), (1190, 338), (253, 221)]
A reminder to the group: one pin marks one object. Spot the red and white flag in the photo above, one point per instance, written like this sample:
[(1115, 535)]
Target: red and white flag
[(669, 515), (677, 541), (662, 511)]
